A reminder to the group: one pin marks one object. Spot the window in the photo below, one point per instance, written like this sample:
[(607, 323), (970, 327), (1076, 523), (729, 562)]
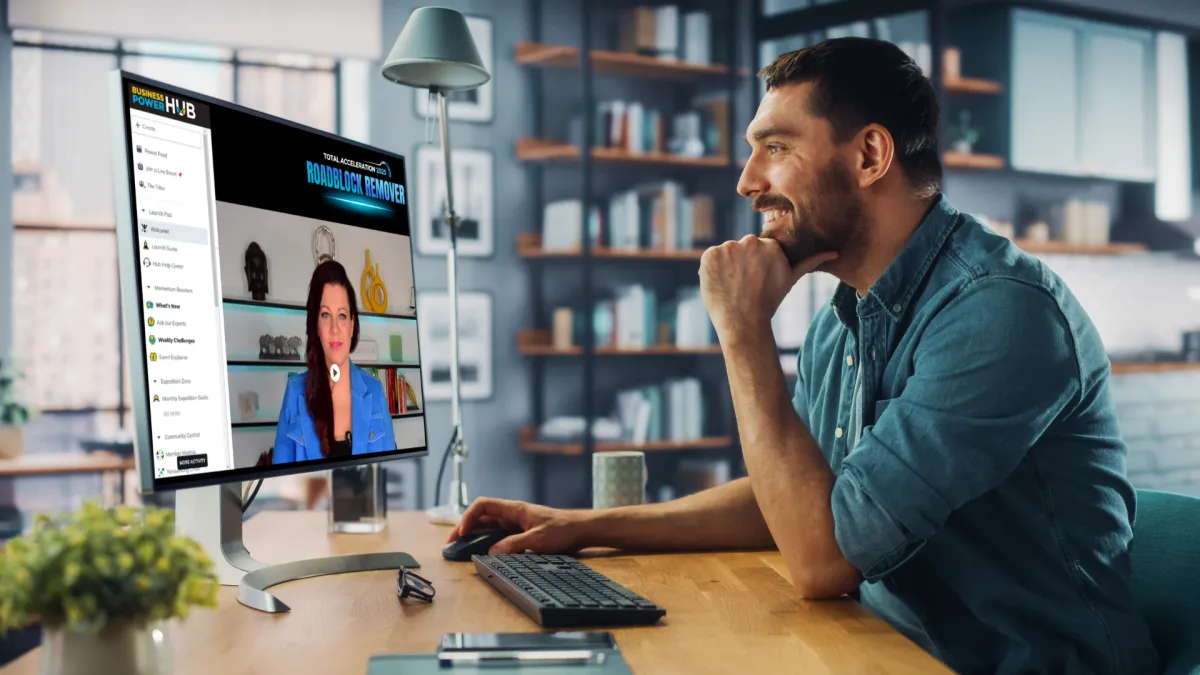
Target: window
[(66, 318)]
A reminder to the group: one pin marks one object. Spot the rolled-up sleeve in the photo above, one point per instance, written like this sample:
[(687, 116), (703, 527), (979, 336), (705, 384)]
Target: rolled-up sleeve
[(994, 368)]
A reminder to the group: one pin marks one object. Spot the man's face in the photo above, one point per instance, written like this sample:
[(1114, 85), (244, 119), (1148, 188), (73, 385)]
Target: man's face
[(799, 178)]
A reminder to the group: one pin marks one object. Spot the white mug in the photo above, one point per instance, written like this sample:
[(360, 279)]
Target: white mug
[(618, 479)]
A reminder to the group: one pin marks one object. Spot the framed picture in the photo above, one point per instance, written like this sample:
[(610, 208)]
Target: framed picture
[(472, 105), (472, 200), (474, 344)]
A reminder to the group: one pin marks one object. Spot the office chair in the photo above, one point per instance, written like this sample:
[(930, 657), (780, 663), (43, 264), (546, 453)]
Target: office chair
[(1165, 559)]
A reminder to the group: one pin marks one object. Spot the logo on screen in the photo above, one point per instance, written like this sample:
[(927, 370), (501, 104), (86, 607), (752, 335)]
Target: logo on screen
[(172, 105)]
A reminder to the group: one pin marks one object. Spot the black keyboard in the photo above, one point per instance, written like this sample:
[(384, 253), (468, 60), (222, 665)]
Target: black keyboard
[(558, 591)]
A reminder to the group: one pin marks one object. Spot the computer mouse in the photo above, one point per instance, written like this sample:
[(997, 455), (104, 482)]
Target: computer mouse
[(475, 542)]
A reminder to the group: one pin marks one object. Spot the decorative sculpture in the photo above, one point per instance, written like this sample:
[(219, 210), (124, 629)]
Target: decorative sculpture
[(256, 271), (374, 293)]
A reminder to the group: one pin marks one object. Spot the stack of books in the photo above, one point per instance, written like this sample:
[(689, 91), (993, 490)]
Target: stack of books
[(651, 216), (401, 396), (664, 33), (635, 319), (672, 411), (658, 216), (700, 131)]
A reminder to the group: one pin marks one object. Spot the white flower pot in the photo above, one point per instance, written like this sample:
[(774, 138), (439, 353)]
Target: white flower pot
[(12, 439), (120, 649)]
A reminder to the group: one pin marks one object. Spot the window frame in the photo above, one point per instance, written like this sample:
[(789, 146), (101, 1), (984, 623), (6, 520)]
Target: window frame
[(120, 52)]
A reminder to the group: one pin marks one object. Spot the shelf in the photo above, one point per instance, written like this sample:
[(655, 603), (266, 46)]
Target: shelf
[(530, 246), (1066, 248), (65, 224), (263, 425), (615, 63), (289, 363), (540, 343), (531, 445), (301, 309), (1142, 367), (965, 160), (657, 350), (543, 150), (972, 85)]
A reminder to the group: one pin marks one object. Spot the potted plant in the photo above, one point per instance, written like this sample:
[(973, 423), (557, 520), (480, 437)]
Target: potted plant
[(103, 583), (13, 415), (965, 135)]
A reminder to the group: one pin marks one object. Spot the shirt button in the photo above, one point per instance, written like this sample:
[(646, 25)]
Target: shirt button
[(896, 308), (371, 436), (837, 432), (850, 361)]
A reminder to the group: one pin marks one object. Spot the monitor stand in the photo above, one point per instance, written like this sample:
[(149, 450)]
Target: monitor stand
[(212, 516)]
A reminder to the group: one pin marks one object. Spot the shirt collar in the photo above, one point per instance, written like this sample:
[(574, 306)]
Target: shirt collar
[(894, 290)]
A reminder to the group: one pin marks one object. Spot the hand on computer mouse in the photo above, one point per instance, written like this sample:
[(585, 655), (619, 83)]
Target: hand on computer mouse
[(544, 530)]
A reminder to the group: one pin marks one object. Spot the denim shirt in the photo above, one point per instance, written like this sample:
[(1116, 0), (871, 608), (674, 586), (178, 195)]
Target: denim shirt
[(371, 429), (985, 502)]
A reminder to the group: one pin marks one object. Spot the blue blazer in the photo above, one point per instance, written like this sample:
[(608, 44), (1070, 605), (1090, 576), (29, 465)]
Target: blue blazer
[(370, 420)]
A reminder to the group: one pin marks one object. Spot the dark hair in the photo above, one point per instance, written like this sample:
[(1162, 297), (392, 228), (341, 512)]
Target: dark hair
[(859, 81), (316, 389)]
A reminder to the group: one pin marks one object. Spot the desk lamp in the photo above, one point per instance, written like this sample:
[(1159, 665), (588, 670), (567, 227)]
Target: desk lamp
[(435, 51)]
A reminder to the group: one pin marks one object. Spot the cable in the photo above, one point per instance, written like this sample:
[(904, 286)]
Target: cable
[(437, 487), (253, 493)]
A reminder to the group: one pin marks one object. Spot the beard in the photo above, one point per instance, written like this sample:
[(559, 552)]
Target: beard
[(826, 220)]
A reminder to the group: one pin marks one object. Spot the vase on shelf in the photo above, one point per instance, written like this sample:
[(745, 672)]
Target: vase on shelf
[(12, 439), (120, 648), (962, 146)]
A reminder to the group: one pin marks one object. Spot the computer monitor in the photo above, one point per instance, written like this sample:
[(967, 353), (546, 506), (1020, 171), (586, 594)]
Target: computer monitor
[(269, 303)]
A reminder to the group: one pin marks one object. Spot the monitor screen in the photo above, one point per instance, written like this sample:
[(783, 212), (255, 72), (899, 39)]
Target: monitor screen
[(267, 283)]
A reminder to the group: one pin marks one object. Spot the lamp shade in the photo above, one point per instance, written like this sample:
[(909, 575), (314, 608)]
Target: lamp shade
[(435, 50)]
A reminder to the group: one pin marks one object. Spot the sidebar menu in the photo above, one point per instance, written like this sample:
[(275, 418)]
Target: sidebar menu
[(181, 291)]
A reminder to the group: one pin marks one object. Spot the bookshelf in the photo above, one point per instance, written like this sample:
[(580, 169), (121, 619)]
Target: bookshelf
[(287, 307), (971, 85), (591, 159), (266, 424), (541, 150), (531, 445), (971, 160), (614, 63), (1069, 248), (529, 245)]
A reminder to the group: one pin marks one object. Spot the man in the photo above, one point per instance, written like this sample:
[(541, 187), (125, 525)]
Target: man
[(950, 450)]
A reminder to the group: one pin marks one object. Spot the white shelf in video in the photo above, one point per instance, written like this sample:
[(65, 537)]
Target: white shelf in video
[(256, 304), (264, 424), (293, 363)]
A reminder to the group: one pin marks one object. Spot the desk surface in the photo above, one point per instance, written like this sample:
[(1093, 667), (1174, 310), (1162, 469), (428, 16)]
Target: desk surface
[(44, 464), (726, 613)]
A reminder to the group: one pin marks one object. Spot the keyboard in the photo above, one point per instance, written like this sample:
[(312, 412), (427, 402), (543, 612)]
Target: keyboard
[(558, 591)]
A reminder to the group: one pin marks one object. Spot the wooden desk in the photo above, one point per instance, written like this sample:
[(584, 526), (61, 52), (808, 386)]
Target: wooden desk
[(726, 613)]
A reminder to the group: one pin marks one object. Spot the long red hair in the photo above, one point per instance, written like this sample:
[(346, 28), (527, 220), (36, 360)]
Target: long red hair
[(317, 392)]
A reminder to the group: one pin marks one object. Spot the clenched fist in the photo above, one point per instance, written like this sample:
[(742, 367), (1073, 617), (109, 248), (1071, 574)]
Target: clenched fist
[(742, 282)]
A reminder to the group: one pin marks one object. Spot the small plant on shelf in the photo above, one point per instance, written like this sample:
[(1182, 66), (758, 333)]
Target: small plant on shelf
[(965, 134), (13, 414), (12, 411)]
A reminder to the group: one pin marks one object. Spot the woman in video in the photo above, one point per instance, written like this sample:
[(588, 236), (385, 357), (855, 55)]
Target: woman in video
[(335, 409)]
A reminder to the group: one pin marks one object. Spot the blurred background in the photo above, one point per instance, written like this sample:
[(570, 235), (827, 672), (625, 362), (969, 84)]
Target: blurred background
[(1067, 125)]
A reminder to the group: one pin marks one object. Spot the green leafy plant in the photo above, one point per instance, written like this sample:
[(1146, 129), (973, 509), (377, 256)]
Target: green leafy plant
[(84, 569), (11, 409), (964, 131)]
